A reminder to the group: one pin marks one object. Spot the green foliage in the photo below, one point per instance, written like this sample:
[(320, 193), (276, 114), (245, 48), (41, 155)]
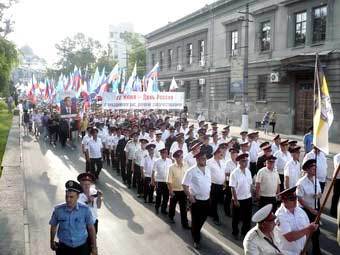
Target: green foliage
[(136, 53), (5, 125), (3, 105), (8, 60)]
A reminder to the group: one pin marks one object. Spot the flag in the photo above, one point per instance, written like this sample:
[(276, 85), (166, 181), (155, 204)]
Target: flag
[(173, 85), (132, 80), (323, 115), (152, 79), (95, 81)]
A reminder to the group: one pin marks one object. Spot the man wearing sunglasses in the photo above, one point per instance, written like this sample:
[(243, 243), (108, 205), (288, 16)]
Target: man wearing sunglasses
[(293, 225), (259, 240)]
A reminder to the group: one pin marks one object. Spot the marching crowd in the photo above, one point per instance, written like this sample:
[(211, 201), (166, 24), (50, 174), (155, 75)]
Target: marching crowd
[(200, 168)]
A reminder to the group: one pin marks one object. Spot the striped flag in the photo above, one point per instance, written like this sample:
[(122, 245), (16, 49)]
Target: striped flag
[(323, 116)]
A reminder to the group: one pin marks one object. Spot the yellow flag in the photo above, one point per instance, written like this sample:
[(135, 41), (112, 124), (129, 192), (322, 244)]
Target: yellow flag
[(323, 116)]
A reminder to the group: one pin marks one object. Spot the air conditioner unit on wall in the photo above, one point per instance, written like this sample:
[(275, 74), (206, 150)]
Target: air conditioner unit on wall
[(274, 77), (201, 81), (202, 62), (181, 83), (179, 68)]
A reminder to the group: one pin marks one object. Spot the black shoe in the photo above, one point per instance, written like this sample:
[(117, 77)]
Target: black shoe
[(236, 236), (157, 210), (139, 195), (129, 186), (164, 212), (217, 223), (172, 221), (145, 201), (196, 246)]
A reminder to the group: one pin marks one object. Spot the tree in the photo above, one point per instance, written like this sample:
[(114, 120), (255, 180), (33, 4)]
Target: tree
[(6, 24), (8, 60), (136, 53), (106, 59)]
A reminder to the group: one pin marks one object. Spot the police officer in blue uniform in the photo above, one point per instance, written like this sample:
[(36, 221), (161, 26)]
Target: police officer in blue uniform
[(74, 223)]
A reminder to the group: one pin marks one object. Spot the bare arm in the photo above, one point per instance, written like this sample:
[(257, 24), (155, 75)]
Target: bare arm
[(287, 182), (189, 195), (92, 234), (295, 235), (53, 231), (257, 190)]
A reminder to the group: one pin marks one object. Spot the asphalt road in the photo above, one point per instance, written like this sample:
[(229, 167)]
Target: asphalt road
[(126, 224)]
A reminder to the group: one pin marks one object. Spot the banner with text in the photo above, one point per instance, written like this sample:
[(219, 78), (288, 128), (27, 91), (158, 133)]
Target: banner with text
[(144, 101)]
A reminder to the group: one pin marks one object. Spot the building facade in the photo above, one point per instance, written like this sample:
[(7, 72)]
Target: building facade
[(205, 51)]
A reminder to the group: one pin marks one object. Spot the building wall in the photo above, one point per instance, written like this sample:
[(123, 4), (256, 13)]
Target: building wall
[(223, 73)]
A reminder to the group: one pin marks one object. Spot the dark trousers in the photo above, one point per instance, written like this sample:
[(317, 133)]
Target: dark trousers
[(199, 213), (181, 198), (96, 166), (106, 156), (315, 236), (253, 168), (83, 133), (88, 166), (148, 190), (121, 160), (322, 186), (162, 195), (335, 198), (137, 179), (63, 249), (216, 195), (268, 200), (242, 213), (227, 200), (282, 180), (129, 173)]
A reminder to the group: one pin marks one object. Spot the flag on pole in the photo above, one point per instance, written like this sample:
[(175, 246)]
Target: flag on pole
[(323, 115), (132, 80), (152, 79), (173, 85)]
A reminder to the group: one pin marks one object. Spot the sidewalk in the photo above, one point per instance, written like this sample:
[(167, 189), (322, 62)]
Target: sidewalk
[(12, 196)]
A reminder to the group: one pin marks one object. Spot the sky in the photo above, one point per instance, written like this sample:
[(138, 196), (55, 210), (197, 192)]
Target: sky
[(43, 23)]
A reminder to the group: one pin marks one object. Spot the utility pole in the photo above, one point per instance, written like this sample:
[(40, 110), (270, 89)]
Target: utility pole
[(244, 125)]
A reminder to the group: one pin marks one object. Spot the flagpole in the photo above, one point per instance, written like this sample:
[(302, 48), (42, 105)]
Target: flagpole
[(316, 82)]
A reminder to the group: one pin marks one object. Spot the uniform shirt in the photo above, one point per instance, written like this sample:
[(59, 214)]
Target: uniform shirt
[(274, 148), (93, 207), (159, 145), (175, 146), (214, 145), (199, 183), (293, 171), (307, 142), (165, 135), (148, 164), (230, 166), (72, 223), (161, 169), (116, 140), (190, 160), (269, 181), (255, 243), (286, 223), (321, 164), (140, 154), (85, 141), (176, 174), (281, 161), (253, 151), (145, 136), (109, 141), (306, 190), (241, 182), (131, 148), (217, 170), (95, 148)]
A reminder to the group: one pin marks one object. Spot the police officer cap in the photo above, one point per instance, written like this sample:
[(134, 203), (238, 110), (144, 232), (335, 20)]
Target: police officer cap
[(195, 144), (202, 121), (262, 214), (264, 144), (85, 177), (150, 146), (308, 163), (200, 155), (179, 135), (226, 127), (295, 149), (161, 150), (73, 186), (94, 129), (201, 131), (287, 192), (253, 133), (143, 140), (244, 143), (242, 156), (217, 149), (243, 132), (292, 142), (284, 142), (271, 157), (172, 128), (233, 150), (214, 133), (214, 124), (177, 153), (192, 126), (276, 137), (159, 132)]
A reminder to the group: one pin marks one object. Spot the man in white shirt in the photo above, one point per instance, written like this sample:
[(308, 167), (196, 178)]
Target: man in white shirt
[(137, 164), (321, 165), (253, 152), (190, 157), (116, 138), (276, 144), (307, 198), (179, 144), (95, 153), (147, 167), (159, 143), (292, 170), (214, 143), (240, 183), (293, 225), (231, 164), (267, 184), (130, 150), (217, 168), (196, 184), (336, 188), (283, 156), (84, 142), (159, 179)]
